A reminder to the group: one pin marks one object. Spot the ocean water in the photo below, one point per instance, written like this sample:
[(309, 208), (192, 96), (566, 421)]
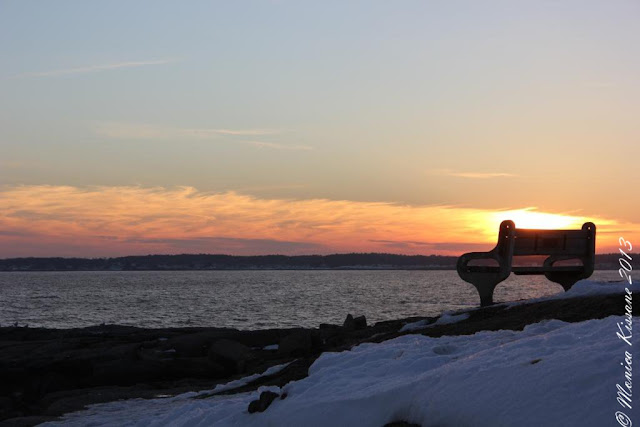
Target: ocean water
[(244, 299)]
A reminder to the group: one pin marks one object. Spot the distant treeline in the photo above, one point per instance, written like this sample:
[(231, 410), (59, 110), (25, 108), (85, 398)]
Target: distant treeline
[(267, 262)]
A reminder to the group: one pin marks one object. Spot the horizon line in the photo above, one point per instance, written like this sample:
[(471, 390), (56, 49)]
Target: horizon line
[(258, 255)]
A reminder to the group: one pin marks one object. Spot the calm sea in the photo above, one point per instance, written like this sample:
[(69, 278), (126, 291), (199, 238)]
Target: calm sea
[(243, 299)]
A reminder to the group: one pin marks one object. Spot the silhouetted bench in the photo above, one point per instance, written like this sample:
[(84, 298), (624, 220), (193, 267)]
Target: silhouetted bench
[(560, 246)]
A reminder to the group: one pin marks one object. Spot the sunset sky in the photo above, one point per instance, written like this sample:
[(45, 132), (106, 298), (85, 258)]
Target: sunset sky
[(299, 127)]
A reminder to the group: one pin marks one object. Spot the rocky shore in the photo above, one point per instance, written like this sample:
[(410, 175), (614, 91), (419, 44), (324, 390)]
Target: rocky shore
[(49, 372)]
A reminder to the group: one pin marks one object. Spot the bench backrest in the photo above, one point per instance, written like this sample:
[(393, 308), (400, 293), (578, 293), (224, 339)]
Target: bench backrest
[(555, 242)]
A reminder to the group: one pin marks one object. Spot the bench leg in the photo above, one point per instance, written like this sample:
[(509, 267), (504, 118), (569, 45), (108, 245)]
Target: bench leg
[(485, 290), (566, 280)]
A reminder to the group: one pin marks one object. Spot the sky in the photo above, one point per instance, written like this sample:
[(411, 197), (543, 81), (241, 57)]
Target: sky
[(298, 127)]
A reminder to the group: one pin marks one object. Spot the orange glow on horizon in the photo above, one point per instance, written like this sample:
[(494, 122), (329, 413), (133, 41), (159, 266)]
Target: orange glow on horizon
[(529, 218), (114, 221)]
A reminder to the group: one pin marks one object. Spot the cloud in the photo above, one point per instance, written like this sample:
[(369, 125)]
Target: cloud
[(96, 68), (433, 247), (275, 146), (73, 221), (249, 132), (132, 131), (146, 131), (472, 175)]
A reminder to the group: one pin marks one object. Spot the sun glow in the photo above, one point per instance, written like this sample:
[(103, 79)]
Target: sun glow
[(528, 218)]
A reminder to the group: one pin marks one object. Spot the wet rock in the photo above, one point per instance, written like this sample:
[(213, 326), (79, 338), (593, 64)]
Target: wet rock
[(360, 322), (191, 345), (328, 326), (230, 354), (299, 343), (261, 404), (357, 323), (401, 424), (196, 367)]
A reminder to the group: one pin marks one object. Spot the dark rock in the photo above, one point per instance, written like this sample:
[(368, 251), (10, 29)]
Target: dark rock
[(299, 343), (26, 421), (191, 345), (401, 424), (360, 322), (196, 367), (230, 354), (261, 404), (6, 404), (348, 322), (328, 326), (357, 323)]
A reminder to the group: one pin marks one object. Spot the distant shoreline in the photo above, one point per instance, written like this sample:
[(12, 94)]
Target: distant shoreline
[(255, 269), (206, 262)]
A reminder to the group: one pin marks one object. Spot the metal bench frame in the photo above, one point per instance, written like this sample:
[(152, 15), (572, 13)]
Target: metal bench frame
[(559, 245)]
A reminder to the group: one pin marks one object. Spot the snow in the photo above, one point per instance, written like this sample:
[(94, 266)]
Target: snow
[(414, 326), (111, 414), (551, 373), (583, 288), (242, 381), (271, 347), (446, 318)]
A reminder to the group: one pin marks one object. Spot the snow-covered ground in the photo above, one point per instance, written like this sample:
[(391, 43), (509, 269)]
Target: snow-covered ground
[(446, 318), (551, 374), (584, 288)]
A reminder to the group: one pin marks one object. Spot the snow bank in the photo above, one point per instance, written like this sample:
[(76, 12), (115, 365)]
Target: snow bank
[(446, 318), (414, 326), (551, 373), (583, 288)]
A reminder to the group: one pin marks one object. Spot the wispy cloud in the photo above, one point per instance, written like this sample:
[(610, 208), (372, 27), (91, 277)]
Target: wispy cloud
[(471, 175), (147, 131), (276, 146), (246, 132), (96, 68), (133, 131)]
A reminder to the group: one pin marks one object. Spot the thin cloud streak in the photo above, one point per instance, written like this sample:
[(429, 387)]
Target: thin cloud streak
[(131, 131), (146, 131), (96, 68), (235, 132), (472, 175), (273, 145)]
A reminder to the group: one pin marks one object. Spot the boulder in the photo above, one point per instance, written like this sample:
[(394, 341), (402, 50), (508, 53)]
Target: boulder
[(348, 322), (196, 367), (357, 323), (324, 326), (230, 354), (190, 345), (360, 322), (261, 404), (299, 343), (401, 424)]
